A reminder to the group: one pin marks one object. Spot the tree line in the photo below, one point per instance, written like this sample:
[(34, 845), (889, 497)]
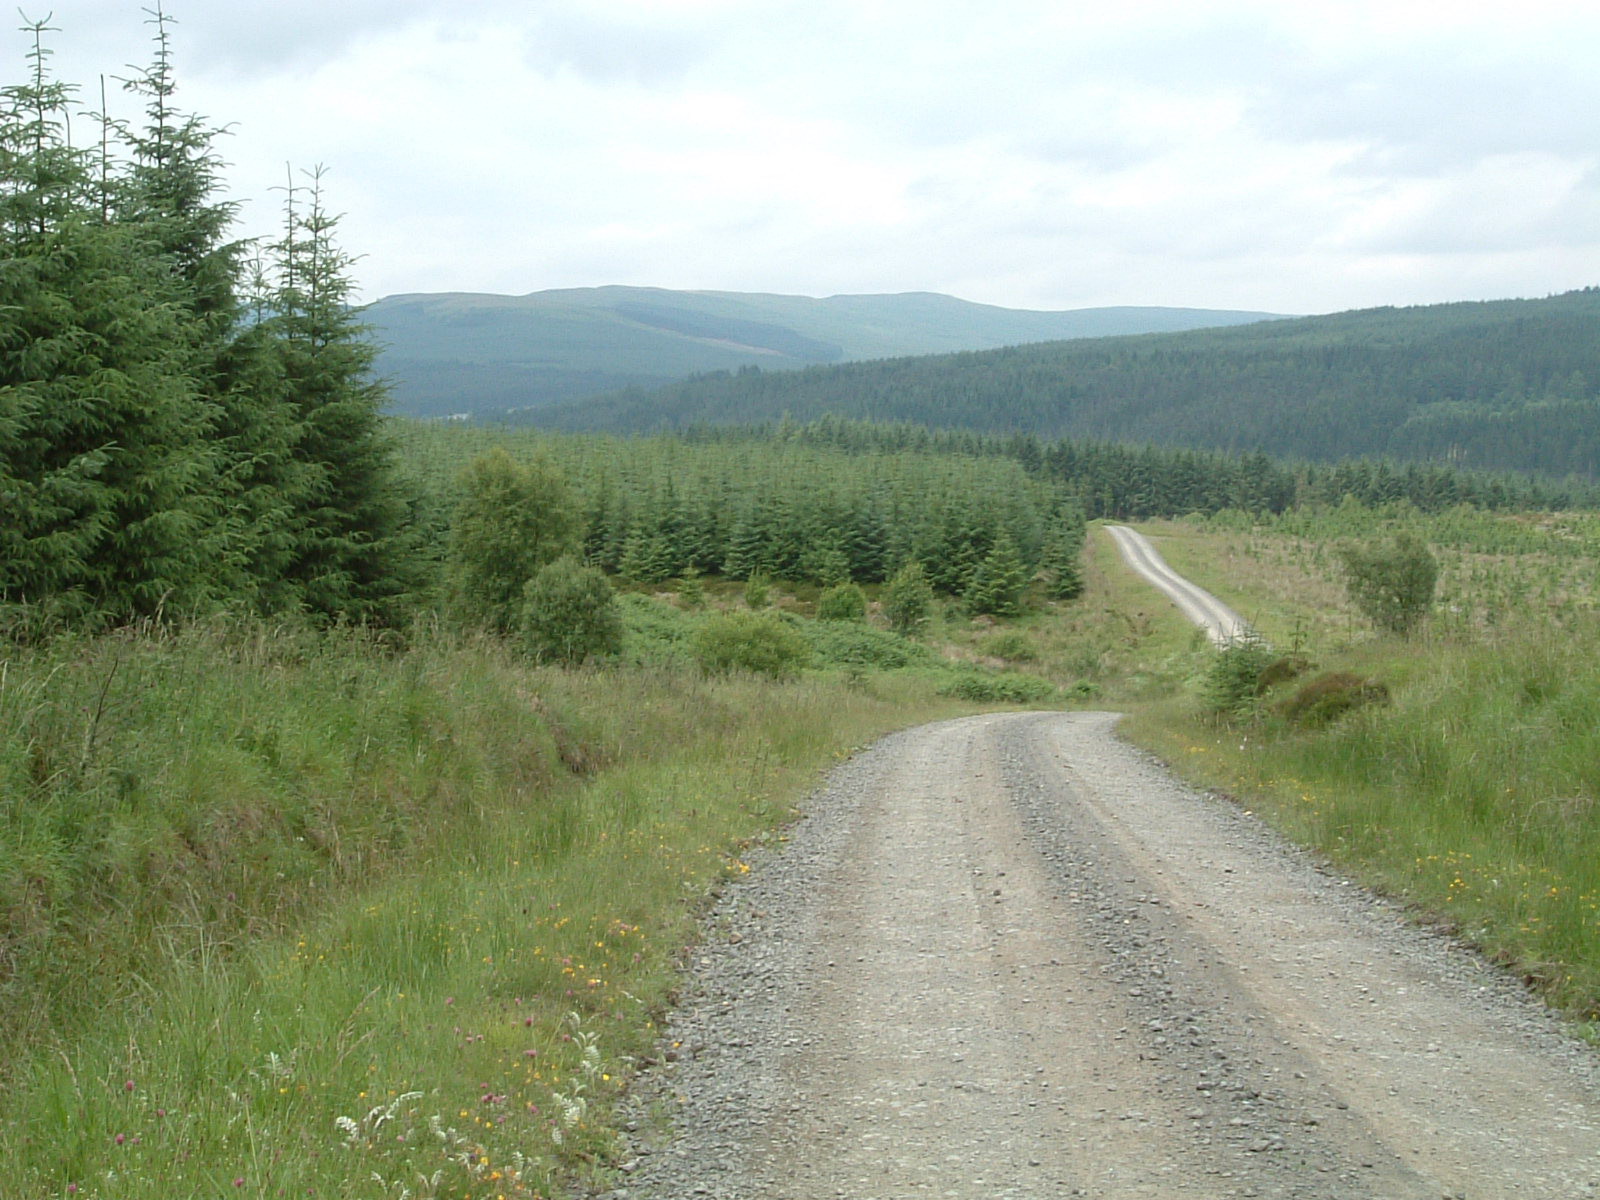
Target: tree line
[(1506, 385), (187, 420)]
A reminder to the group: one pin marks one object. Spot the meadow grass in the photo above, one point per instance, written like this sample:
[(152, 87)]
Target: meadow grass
[(1473, 794), (297, 914)]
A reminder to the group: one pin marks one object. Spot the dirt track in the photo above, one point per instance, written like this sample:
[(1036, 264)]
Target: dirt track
[(1009, 956)]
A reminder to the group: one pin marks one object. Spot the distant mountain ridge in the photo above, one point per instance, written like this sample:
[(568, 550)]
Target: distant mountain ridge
[(454, 352), (1495, 385)]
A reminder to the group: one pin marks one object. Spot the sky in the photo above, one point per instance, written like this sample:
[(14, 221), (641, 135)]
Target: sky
[(1274, 156)]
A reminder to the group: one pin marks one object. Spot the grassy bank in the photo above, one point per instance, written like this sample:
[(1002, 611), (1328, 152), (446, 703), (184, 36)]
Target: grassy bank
[(1473, 793), (295, 914)]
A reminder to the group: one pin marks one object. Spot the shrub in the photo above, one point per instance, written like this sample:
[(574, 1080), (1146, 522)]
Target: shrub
[(843, 602), (848, 644), (756, 642), (1012, 645), (1000, 687), (1391, 582), (1233, 681), (1328, 697), (655, 633), (908, 599), (1281, 670), (570, 614)]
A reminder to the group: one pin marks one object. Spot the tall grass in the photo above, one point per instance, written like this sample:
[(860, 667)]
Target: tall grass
[(301, 914), (1475, 794)]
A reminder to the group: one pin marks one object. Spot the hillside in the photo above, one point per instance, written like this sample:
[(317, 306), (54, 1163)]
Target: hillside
[(1501, 385), (454, 352)]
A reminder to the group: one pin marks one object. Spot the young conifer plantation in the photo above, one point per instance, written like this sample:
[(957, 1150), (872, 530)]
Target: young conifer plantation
[(362, 782)]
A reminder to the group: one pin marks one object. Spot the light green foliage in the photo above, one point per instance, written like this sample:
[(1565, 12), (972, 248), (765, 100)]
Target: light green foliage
[(761, 643), (908, 600), (852, 644), (1004, 687), (512, 518), (570, 613), (999, 581), (1012, 645), (757, 591), (843, 602), (1391, 582)]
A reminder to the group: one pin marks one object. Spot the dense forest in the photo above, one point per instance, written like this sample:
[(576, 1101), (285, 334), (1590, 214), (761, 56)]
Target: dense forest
[(1507, 385), (186, 421)]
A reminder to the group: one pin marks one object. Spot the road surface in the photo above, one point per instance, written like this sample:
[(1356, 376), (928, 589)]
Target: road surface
[(1010, 956), (1220, 622)]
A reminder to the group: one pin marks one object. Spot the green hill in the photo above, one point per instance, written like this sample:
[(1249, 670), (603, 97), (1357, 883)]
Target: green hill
[(455, 352), (1500, 385)]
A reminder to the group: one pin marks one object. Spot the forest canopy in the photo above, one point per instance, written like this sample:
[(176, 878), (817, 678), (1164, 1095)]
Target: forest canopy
[(187, 420)]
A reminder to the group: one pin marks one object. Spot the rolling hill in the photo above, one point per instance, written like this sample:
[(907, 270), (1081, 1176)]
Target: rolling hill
[(450, 353), (1498, 385)]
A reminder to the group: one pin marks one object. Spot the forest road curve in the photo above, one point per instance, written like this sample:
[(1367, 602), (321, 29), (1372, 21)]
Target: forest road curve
[(1220, 622), (1010, 956)]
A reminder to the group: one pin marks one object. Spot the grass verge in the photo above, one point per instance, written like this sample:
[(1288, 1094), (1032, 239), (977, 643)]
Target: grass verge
[(1472, 794)]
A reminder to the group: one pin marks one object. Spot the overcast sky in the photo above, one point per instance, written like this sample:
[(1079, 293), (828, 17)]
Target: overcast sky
[(1055, 154)]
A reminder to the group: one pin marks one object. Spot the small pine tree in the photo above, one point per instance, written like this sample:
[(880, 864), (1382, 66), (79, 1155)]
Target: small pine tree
[(570, 613), (999, 581), (908, 600)]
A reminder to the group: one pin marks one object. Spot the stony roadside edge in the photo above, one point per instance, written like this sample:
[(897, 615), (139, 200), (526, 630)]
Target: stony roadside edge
[(714, 1085)]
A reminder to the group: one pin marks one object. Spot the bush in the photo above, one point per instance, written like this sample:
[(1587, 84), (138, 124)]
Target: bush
[(844, 602), (1328, 697), (1391, 582), (655, 633), (1232, 683), (756, 642), (845, 644), (908, 600), (1002, 687), (569, 613), (1012, 645)]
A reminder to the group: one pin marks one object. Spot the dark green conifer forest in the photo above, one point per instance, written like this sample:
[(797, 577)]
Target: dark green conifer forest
[(187, 422)]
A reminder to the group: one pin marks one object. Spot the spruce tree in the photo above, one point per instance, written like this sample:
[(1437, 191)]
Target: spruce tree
[(108, 478), (352, 555)]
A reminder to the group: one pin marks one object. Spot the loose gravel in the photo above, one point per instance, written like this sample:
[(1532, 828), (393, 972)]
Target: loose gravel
[(1010, 956)]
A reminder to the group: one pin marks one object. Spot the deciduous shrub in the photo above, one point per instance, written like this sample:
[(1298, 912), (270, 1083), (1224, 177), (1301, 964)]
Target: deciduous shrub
[(1391, 582), (569, 613), (843, 602), (758, 642), (852, 644), (1012, 645), (908, 600), (1000, 687)]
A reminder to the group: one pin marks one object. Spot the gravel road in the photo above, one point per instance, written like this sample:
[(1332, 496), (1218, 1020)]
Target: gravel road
[(1220, 622), (1010, 956)]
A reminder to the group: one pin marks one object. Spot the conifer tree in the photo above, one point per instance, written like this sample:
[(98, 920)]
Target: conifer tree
[(352, 556), (108, 478), (999, 581)]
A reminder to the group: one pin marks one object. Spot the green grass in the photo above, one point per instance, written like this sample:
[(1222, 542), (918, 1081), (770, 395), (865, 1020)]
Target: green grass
[(1475, 794), (294, 913)]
